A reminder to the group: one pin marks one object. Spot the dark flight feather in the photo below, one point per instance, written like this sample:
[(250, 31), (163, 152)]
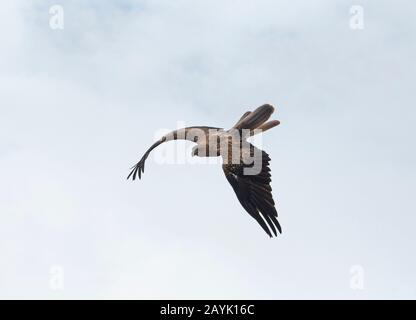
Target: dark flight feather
[(254, 193)]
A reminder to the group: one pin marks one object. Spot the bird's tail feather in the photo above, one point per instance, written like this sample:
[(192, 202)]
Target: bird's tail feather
[(265, 126), (256, 118), (241, 119)]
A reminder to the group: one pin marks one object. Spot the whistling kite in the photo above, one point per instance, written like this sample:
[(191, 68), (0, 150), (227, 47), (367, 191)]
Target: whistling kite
[(252, 188)]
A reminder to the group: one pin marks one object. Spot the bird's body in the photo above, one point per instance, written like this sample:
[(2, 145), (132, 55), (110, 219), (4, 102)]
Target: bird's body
[(245, 166)]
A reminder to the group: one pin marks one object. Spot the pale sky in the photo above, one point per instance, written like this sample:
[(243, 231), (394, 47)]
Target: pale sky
[(79, 106)]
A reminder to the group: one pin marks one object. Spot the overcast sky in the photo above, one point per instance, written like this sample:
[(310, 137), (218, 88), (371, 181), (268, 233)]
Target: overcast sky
[(80, 105)]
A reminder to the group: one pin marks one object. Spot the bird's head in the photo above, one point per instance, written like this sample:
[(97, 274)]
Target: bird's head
[(195, 151), (200, 150), (206, 150)]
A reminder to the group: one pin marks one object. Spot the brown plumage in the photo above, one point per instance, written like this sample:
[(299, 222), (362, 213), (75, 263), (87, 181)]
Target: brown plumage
[(245, 166)]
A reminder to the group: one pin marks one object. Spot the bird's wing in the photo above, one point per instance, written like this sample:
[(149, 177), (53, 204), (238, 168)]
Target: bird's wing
[(190, 133), (254, 191), (138, 168)]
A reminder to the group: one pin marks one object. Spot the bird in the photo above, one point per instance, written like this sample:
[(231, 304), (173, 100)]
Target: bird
[(246, 167)]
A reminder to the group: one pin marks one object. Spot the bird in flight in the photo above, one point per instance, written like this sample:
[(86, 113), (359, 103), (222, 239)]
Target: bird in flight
[(245, 166)]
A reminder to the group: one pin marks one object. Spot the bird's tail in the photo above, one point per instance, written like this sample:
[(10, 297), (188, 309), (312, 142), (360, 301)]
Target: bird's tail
[(257, 119), (265, 126)]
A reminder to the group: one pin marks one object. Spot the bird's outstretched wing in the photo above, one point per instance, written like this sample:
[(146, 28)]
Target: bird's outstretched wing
[(254, 191), (189, 133), (138, 168)]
